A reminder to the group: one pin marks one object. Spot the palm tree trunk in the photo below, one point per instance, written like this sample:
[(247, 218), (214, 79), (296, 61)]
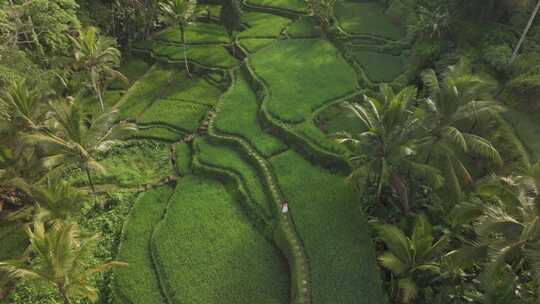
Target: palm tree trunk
[(380, 181), (525, 31), (89, 176), (184, 47), (62, 290)]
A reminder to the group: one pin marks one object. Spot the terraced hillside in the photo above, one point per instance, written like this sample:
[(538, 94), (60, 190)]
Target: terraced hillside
[(243, 140)]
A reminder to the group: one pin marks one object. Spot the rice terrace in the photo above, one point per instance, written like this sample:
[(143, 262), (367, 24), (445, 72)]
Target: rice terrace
[(269, 152)]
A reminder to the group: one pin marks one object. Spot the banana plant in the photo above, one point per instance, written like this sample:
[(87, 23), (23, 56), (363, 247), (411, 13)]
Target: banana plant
[(506, 222), (412, 260)]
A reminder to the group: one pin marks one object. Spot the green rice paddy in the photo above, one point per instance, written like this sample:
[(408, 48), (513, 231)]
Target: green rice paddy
[(250, 121)]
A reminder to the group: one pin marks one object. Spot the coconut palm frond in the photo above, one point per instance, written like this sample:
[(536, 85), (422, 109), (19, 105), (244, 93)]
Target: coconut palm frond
[(396, 241), (483, 147)]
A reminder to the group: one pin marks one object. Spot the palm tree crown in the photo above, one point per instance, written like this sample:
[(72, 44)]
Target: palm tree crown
[(61, 257), (99, 56)]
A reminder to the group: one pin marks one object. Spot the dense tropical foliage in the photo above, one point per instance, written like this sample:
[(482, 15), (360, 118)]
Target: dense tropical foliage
[(321, 151)]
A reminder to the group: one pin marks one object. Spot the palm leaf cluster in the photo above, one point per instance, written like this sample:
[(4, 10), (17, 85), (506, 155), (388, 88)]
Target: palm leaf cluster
[(408, 137), (179, 13), (411, 259), (61, 258), (506, 220), (77, 140), (98, 55)]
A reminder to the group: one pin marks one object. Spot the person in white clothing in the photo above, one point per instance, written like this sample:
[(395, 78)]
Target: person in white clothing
[(285, 208)]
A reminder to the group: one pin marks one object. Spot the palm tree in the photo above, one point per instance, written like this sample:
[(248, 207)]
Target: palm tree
[(98, 55), (56, 200), (506, 220), (179, 13), (453, 104), (26, 108), (525, 31), (77, 141), (388, 146), (60, 257), (26, 105), (412, 259)]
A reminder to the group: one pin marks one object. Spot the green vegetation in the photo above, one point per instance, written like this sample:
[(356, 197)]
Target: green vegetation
[(199, 33), (177, 114), (366, 17), (206, 55), (222, 257), (302, 76), (135, 164), (252, 45), (146, 90), (292, 5), (263, 25), (236, 149), (302, 28), (238, 115), (158, 133), (196, 90), (380, 67), (183, 158), (526, 127), (332, 225), (140, 277), (226, 158)]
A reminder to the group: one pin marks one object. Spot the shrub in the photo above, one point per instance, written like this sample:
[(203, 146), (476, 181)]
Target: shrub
[(135, 164), (498, 58)]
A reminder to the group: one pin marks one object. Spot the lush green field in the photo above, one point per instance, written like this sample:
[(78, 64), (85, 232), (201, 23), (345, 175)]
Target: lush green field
[(209, 253), (207, 55), (183, 158), (292, 5), (302, 76), (150, 87), (138, 283), (252, 45), (261, 25), (239, 115), (303, 28), (329, 217), (195, 90), (359, 17), (160, 133), (198, 33), (225, 157), (380, 67), (178, 114)]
